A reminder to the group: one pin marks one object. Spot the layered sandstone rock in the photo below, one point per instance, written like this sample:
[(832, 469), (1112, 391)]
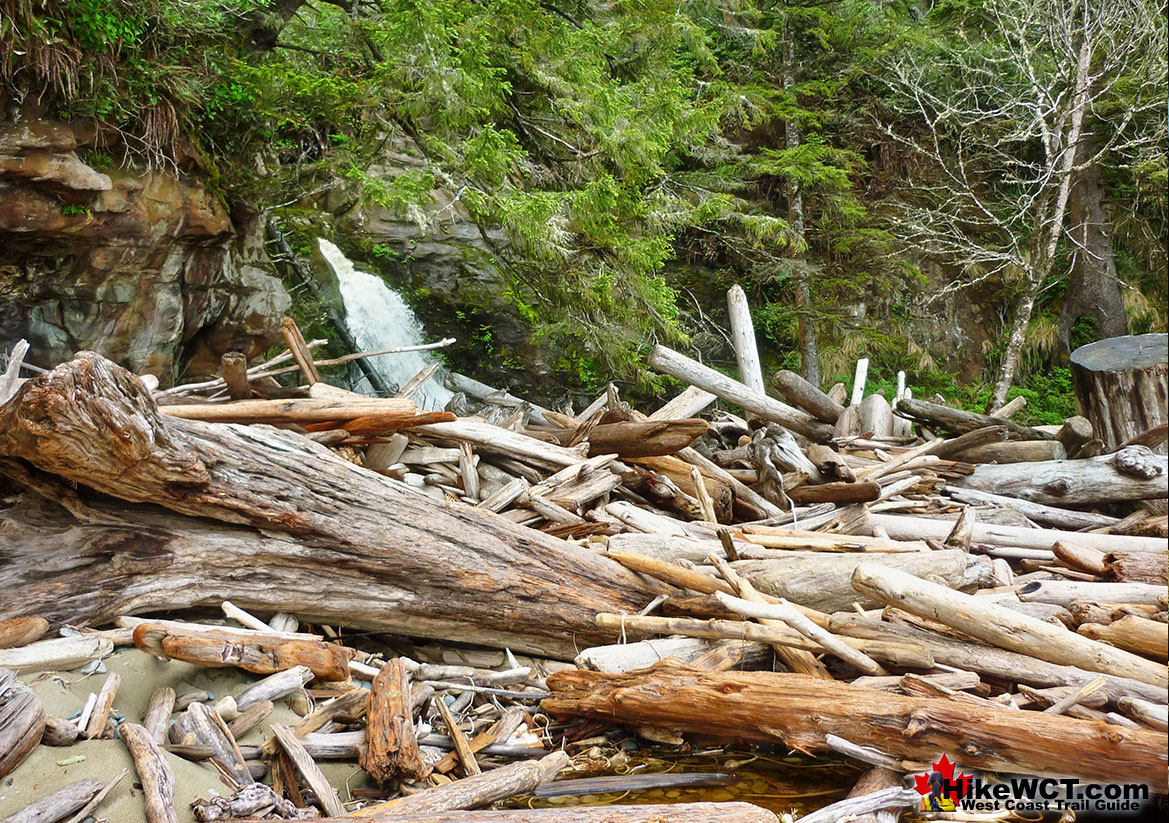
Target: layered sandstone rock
[(144, 266)]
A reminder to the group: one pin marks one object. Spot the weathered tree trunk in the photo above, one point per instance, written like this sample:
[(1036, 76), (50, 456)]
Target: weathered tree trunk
[(801, 271), (800, 710), (1122, 386), (1093, 288), (308, 528)]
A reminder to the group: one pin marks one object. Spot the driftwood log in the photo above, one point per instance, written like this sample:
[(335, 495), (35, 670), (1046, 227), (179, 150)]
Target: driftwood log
[(1122, 385), (22, 721), (800, 710), (1133, 473), (266, 518)]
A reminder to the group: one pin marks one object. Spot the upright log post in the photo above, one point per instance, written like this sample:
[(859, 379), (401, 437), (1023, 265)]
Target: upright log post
[(1122, 386)]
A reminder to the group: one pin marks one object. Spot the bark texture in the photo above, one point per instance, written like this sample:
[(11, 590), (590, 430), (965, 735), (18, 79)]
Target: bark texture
[(800, 710), (266, 518), (1122, 386)]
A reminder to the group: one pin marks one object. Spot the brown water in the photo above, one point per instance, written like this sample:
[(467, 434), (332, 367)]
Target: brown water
[(781, 784)]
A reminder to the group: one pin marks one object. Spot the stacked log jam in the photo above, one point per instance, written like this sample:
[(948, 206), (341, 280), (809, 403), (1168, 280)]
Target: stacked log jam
[(834, 575)]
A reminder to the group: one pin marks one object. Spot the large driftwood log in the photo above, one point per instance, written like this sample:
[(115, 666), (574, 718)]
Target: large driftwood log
[(1109, 478), (339, 541), (958, 421), (1122, 385), (800, 710)]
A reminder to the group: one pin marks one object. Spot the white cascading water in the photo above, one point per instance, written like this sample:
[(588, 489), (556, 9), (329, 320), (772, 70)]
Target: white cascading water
[(378, 318)]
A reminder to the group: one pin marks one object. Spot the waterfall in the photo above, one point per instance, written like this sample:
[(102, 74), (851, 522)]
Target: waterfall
[(378, 318)]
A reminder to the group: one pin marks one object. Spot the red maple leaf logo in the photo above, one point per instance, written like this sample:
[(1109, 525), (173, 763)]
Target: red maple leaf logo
[(949, 787)]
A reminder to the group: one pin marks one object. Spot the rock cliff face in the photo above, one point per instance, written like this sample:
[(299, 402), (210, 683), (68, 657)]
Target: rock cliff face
[(144, 266)]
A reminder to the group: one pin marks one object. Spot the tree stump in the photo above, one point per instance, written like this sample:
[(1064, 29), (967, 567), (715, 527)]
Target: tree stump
[(1122, 386)]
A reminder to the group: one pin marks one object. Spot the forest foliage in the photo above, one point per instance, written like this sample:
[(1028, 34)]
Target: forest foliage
[(637, 156)]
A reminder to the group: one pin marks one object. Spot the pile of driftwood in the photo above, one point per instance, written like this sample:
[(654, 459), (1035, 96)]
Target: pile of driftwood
[(887, 582)]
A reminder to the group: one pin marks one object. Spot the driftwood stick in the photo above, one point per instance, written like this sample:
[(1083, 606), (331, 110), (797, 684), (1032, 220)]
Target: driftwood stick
[(59, 654), (473, 792), (798, 660), (894, 652), (689, 403), (105, 704), (799, 711), (154, 773), (233, 365), (462, 745), (391, 746), (309, 770), (991, 662), (96, 800), (852, 808), (59, 805), (162, 703), (252, 651), (743, 339), (1000, 626), (785, 612), (300, 351)]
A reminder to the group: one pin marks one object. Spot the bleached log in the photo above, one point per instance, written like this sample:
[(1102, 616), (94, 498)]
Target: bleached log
[(310, 771), (473, 792), (785, 612), (59, 805), (1134, 633), (937, 416), (1045, 515), (988, 661), (59, 654), (732, 812), (902, 527), (690, 403), (1086, 482), (1001, 627), (743, 340), (486, 394), (1065, 592), (694, 373), (894, 652)]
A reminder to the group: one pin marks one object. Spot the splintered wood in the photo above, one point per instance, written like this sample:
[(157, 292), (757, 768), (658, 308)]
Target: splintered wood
[(889, 581)]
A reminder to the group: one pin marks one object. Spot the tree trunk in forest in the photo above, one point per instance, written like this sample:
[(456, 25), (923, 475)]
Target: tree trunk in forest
[(1093, 288), (1048, 232), (809, 351), (1122, 386), (307, 528)]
